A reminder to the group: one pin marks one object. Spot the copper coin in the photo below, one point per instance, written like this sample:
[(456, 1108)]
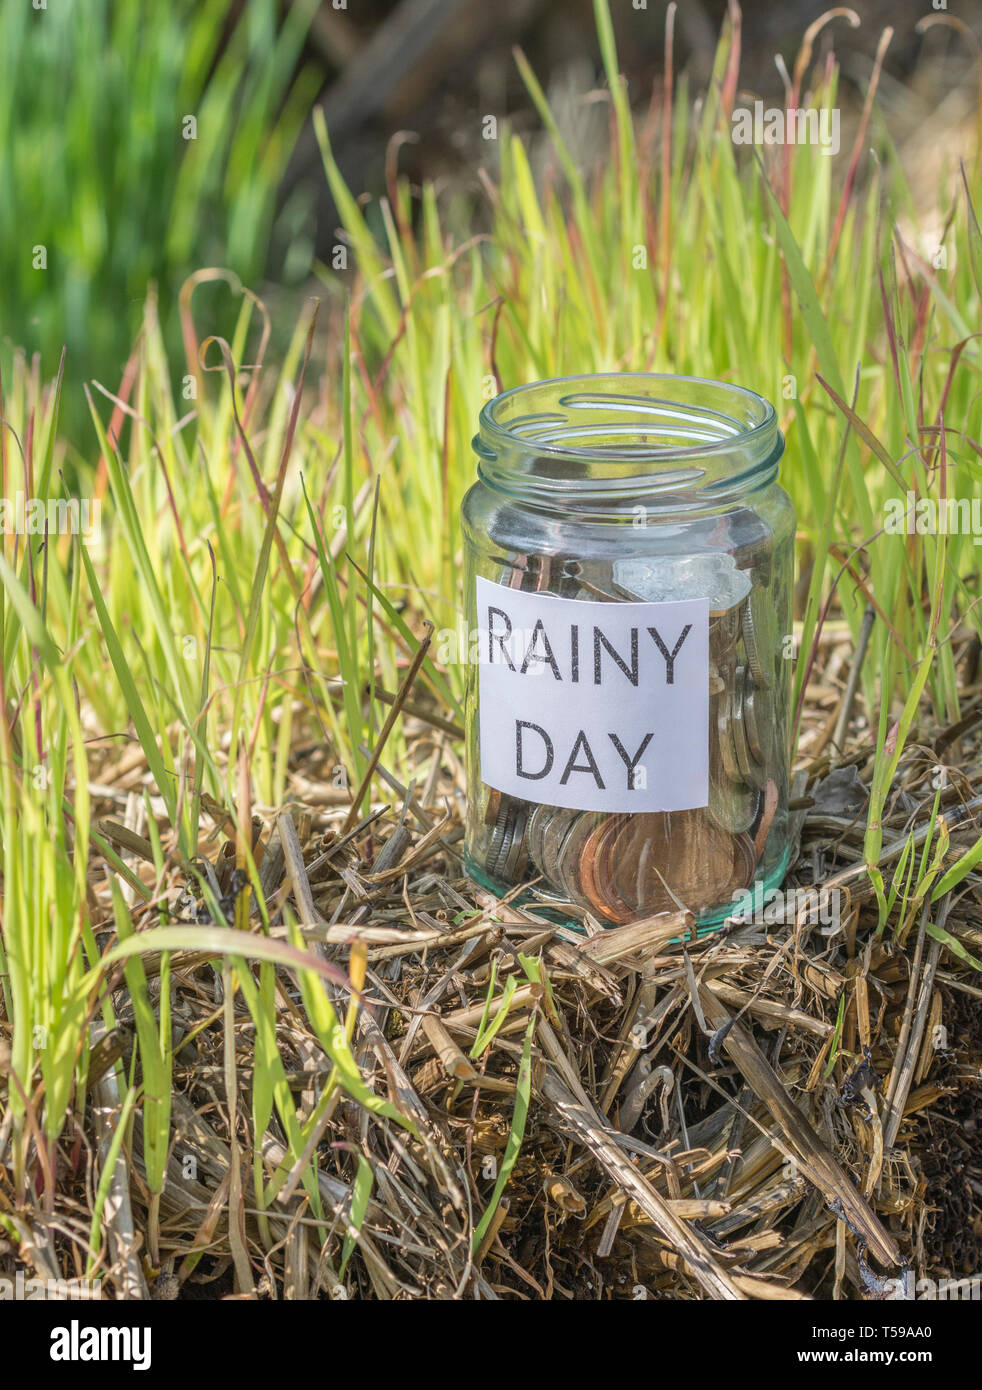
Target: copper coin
[(515, 571), (724, 631), (569, 856), (492, 806), (744, 863), (543, 573), (771, 799), (686, 852), (586, 862), (605, 873), (596, 881)]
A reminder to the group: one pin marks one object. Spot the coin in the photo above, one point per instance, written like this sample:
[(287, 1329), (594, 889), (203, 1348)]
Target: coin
[(771, 799), (587, 862), (748, 538), (492, 805), (723, 632), (732, 802), (685, 853), (568, 863), (670, 578), (760, 637), (756, 556), (507, 841), (543, 572), (745, 862), (760, 723), (538, 821), (589, 581), (750, 720), (574, 579), (498, 835), (515, 569), (724, 733), (595, 873), (751, 770), (733, 805), (515, 855), (497, 840), (528, 572), (553, 838)]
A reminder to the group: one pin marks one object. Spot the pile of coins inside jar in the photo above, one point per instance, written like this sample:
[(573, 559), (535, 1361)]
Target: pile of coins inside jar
[(622, 867)]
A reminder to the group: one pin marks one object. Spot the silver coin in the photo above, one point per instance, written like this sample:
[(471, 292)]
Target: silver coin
[(750, 720), (765, 728), (570, 856), (514, 855), (553, 839), (589, 582), (751, 770), (733, 806), (757, 558), (670, 578), (759, 636), (538, 821), (498, 837), (724, 731), (509, 827)]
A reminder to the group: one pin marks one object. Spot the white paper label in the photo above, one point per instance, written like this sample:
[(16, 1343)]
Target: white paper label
[(594, 706)]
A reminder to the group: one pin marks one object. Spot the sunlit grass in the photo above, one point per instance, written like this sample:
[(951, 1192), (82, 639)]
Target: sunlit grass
[(244, 590)]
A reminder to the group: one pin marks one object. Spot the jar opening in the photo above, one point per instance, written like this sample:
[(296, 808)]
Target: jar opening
[(603, 437)]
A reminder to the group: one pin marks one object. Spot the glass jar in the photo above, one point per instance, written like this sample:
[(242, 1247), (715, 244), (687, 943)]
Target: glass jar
[(628, 566)]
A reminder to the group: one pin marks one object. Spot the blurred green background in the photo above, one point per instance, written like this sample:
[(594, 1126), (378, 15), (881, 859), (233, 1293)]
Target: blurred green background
[(137, 143), (141, 142)]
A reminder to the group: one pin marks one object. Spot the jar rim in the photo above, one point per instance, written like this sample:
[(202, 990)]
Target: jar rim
[(756, 426)]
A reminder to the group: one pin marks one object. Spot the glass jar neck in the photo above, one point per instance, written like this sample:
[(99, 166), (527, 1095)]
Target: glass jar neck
[(604, 445)]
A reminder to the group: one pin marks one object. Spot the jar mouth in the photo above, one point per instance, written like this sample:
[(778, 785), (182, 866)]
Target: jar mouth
[(641, 404), (607, 435)]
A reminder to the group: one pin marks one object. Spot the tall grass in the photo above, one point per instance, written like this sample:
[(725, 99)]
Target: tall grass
[(244, 589)]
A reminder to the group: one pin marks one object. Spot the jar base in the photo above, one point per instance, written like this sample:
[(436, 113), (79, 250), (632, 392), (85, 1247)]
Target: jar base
[(708, 923)]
